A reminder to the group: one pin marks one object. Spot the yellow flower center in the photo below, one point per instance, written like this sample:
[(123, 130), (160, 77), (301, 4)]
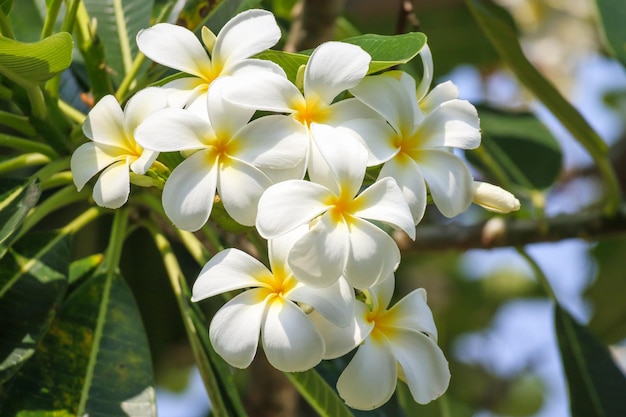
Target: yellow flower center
[(310, 110), (342, 207), (277, 284)]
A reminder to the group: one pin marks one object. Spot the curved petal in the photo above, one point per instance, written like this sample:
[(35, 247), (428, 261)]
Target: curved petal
[(279, 212), (226, 118), (189, 192), (184, 91), (384, 201), (318, 258), (230, 269), (442, 92), (382, 292), (144, 162), (424, 366), (373, 255), (335, 302), (234, 330), (410, 180), (253, 66), (449, 181), (279, 247), (105, 123), (264, 91), (113, 186), (290, 341), (454, 123), (273, 142), (240, 186), (341, 340), (246, 34), (378, 137), (89, 159), (412, 313), (370, 378), (348, 109), (334, 67), (175, 47), (427, 77), (141, 105), (174, 129)]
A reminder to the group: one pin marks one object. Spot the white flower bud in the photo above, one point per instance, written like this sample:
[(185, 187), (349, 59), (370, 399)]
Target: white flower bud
[(493, 198)]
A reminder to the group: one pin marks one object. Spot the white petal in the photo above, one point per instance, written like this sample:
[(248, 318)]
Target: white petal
[(334, 144), (348, 109), (264, 91), (443, 92), (184, 91), (412, 313), (341, 340), (225, 117), (278, 248), (234, 330), (319, 257), (449, 181), (370, 378), (175, 47), (373, 255), (228, 270), (427, 73), (244, 35), (174, 129), (410, 180), (143, 104), (334, 67), (384, 201), (113, 186), (252, 66), (423, 363), (454, 123), (493, 198), (287, 205), (335, 302), (240, 186), (90, 158), (144, 162), (189, 192), (105, 123), (382, 292), (378, 137), (290, 341)]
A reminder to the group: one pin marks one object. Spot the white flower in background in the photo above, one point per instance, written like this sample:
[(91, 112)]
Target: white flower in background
[(269, 307), (112, 148), (222, 154), (494, 198), (340, 241), (397, 342), (333, 68), (415, 147), (245, 35)]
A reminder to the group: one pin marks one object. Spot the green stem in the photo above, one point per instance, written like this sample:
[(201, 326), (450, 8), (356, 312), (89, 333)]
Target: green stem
[(52, 86), (23, 161), (195, 248), (60, 199), (17, 122), (57, 180), (51, 17), (52, 168), (37, 102), (444, 406), (71, 112), (27, 145), (5, 93), (541, 277), (5, 26), (116, 242)]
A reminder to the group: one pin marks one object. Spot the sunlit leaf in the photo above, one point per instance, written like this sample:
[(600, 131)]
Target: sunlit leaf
[(16, 199), (319, 394), (612, 16), (33, 280), (95, 359), (30, 63), (596, 386), (81, 268)]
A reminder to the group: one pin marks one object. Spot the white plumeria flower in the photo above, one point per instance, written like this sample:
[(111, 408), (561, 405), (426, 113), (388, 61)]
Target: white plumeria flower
[(495, 199), (269, 307), (245, 35), (333, 68), (340, 241), (415, 146), (397, 342), (112, 148), (224, 155)]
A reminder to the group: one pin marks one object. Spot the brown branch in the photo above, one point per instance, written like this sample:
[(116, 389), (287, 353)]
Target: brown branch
[(313, 23), (501, 231), (406, 17)]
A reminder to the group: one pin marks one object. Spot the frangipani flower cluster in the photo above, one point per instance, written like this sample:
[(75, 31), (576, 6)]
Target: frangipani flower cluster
[(297, 173)]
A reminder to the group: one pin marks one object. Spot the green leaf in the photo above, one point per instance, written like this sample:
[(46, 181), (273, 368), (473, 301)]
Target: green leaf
[(612, 17), (29, 63), (212, 13), (84, 267), (94, 361), (319, 394), (6, 6), (33, 280), (596, 386), (17, 197), (523, 146), (119, 21)]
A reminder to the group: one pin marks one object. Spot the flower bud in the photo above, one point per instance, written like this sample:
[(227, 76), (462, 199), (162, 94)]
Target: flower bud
[(493, 198)]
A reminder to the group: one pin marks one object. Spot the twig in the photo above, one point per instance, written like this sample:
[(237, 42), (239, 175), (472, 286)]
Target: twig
[(313, 23)]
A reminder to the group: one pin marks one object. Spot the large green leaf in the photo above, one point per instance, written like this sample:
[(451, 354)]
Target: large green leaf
[(319, 394), (523, 146), (597, 388), (612, 16), (94, 361), (29, 63), (16, 199), (33, 280), (119, 21)]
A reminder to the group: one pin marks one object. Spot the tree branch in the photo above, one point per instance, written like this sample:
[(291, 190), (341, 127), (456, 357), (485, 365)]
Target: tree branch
[(501, 231), (313, 23)]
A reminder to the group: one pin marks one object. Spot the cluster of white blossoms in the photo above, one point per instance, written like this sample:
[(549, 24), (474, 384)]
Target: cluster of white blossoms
[(297, 173)]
